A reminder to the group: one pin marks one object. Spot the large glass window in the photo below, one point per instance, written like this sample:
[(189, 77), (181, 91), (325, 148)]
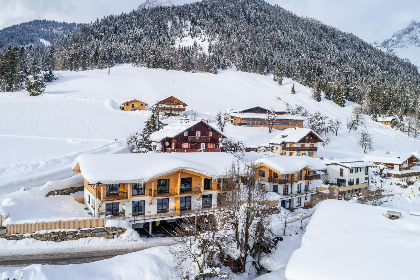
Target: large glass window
[(138, 207), (366, 170), (163, 185), (185, 203), (275, 175), (341, 172), (285, 189), (299, 188), (207, 184), (113, 208), (112, 189), (206, 201), (261, 173), (138, 189), (163, 205), (186, 184)]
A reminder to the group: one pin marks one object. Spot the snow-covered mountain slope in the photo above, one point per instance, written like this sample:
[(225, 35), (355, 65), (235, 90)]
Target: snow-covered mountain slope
[(155, 3), (36, 32), (405, 43), (41, 136)]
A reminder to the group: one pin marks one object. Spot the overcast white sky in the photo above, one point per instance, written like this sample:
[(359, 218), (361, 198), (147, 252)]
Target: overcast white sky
[(372, 20)]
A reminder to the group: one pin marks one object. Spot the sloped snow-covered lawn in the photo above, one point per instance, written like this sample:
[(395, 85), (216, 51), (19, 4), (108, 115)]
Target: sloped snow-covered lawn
[(40, 136)]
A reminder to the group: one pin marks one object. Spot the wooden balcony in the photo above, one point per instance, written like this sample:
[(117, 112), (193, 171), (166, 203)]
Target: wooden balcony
[(156, 194), (199, 138), (192, 191), (169, 150), (313, 177), (277, 180), (299, 148), (114, 196)]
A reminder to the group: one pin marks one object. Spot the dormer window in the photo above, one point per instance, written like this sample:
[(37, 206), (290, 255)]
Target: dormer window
[(186, 133), (198, 133)]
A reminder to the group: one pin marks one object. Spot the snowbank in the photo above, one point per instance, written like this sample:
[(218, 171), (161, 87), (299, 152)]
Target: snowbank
[(353, 241)]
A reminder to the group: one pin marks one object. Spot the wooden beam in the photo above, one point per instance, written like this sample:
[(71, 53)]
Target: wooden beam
[(179, 182)]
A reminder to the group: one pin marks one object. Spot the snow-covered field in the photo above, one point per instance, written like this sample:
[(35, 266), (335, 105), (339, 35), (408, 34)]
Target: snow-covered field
[(41, 136)]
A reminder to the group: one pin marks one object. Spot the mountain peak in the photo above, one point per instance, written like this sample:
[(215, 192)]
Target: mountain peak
[(155, 3)]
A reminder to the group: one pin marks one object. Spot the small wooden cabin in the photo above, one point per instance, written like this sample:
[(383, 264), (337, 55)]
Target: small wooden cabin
[(133, 105)]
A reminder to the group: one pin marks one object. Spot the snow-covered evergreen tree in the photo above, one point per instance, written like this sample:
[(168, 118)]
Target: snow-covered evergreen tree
[(37, 86)]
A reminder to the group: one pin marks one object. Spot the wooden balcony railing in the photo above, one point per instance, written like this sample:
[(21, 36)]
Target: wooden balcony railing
[(169, 150), (299, 148), (313, 177), (277, 180), (112, 196), (199, 138)]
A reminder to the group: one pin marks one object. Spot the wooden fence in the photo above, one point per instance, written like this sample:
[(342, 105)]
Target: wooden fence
[(73, 224)]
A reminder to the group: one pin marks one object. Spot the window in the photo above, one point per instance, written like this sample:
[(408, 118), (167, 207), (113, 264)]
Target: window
[(113, 208), (299, 201), (185, 145), (132, 105), (261, 173), (307, 187), (138, 189), (312, 145), (275, 175), (351, 182), (351, 170), (186, 184), (357, 181), (185, 203), (186, 133), (163, 205), (138, 207), (276, 188), (210, 134), (356, 170), (163, 185), (88, 199), (206, 201), (112, 189), (285, 190), (286, 177), (366, 170), (299, 188), (341, 172), (300, 175), (211, 145), (366, 178), (198, 133), (302, 145), (207, 184)]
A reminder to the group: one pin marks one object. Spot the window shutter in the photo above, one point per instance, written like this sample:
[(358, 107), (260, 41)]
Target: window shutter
[(189, 146)]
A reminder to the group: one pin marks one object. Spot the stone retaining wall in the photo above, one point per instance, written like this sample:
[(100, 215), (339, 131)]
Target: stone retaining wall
[(66, 191), (58, 236)]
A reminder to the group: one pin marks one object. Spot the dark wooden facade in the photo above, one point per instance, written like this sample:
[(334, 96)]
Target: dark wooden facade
[(200, 137)]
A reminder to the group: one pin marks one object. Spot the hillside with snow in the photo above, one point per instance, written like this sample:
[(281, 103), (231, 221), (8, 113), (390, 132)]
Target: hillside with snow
[(79, 113), (405, 43)]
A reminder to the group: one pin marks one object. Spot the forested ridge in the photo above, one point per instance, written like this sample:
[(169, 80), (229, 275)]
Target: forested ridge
[(250, 35)]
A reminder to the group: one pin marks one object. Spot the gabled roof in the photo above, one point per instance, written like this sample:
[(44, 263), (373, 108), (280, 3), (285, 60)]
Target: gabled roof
[(249, 110), (131, 168), (264, 116), (385, 119), (348, 163), (173, 130), (169, 98), (134, 100), (293, 135), (291, 164), (388, 157)]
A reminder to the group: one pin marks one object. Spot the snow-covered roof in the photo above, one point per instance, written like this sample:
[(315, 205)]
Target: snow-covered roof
[(350, 163), (172, 130), (385, 119), (292, 135), (360, 235), (264, 116), (291, 164), (128, 168), (388, 157)]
